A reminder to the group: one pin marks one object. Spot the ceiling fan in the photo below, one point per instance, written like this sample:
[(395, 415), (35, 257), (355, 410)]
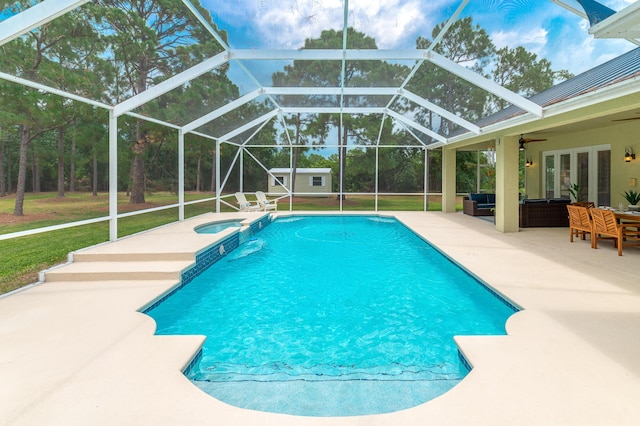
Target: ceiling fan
[(524, 140)]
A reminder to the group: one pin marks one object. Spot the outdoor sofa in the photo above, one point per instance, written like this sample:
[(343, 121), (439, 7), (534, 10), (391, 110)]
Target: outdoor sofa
[(533, 213), (544, 213), (479, 204)]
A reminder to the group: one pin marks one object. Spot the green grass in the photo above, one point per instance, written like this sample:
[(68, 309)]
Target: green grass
[(22, 258)]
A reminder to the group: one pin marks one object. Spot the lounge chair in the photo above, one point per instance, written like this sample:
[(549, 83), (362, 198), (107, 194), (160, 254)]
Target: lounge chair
[(264, 203), (605, 226), (579, 221), (246, 206)]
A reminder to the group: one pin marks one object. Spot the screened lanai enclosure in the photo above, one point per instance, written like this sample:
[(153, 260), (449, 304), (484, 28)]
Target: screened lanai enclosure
[(208, 96)]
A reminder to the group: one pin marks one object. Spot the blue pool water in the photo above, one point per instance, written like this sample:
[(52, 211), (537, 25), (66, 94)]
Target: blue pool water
[(331, 316), (215, 227)]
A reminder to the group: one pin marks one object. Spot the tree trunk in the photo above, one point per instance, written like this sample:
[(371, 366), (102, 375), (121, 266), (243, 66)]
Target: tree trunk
[(137, 180), (95, 172), (60, 162), (198, 174), (22, 170), (137, 169), (72, 165)]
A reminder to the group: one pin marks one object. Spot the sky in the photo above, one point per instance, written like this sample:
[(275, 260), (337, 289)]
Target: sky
[(540, 26)]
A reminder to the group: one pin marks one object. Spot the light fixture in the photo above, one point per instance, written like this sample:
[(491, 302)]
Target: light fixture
[(528, 163), (521, 141), (628, 154), (491, 155)]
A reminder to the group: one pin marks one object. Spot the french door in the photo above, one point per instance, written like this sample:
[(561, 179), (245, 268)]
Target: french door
[(588, 167)]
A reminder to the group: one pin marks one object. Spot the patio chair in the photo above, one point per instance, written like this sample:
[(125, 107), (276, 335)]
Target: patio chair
[(264, 203), (605, 226), (579, 222), (245, 205)]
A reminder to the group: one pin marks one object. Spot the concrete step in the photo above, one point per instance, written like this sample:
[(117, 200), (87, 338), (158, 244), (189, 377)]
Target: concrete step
[(101, 271), (133, 257)]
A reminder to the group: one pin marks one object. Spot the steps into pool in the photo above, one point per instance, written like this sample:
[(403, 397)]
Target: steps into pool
[(118, 270)]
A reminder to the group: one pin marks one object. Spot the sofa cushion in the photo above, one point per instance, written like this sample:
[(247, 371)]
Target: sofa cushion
[(480, 198), (491, 198), (559, 201), (486, 205), (535, 201)]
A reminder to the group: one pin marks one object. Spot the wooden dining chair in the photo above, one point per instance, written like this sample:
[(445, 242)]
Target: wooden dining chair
[(606, 226), (579, 222)]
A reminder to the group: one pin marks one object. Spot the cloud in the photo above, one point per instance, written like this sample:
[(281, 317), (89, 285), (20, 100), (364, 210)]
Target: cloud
[(286, 24), (533, 39), (548, 30)]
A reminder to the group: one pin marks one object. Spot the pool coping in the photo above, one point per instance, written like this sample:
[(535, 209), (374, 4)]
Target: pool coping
[(570, 357)]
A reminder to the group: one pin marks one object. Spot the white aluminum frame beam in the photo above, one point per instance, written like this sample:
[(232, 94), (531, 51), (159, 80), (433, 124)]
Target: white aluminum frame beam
[(377, 54), (327, 54), (223, 110), (333, 110), (42, 87), (485, 84), (171, 83), (417, 126), (34, 17), (205, 24), (446, 27), (441, 111), (249, 125), (374, 91)]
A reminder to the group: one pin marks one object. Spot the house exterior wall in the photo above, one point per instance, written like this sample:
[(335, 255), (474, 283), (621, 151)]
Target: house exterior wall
[(618, 135), (309, 182)]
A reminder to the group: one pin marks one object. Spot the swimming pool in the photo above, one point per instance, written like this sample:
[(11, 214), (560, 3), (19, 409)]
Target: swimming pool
[(215, 227), (331, 316)]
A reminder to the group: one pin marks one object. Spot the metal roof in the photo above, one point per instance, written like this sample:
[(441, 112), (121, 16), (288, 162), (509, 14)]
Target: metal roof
[(301, 170), (622, 68)]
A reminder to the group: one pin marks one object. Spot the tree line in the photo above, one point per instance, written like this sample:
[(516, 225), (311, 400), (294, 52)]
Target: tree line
[(111, 50)]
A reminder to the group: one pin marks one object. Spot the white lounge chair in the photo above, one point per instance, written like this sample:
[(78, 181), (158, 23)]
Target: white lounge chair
[(264, 203), (246, 206)]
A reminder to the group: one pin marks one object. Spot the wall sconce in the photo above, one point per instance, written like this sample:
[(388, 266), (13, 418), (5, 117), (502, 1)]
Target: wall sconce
[(628, 154), (528, 163)]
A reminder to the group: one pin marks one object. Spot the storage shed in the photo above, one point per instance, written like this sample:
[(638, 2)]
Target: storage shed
[(314, 182)]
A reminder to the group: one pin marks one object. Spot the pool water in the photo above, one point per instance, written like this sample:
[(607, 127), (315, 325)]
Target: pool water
[(331, 316), (215, 227)]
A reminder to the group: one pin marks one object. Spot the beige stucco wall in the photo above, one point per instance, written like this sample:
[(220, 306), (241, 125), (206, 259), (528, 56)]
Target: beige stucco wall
[(618, 135), (302, 184)]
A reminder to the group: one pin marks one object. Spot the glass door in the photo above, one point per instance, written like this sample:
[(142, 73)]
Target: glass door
[(603, 177), (549, 177), (565, 175), (588, 167), (582, 175)]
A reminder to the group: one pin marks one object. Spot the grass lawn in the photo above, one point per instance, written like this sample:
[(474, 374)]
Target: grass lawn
[(23, 257)]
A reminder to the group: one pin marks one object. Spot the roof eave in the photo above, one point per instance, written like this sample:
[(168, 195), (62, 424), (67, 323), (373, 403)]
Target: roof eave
[(510, 125)]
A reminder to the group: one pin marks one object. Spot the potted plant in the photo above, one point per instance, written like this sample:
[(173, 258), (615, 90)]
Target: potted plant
[(633, 198), (575, 192)]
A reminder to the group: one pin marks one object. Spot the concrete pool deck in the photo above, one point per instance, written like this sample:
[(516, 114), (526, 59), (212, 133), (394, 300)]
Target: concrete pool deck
[(74, 350)]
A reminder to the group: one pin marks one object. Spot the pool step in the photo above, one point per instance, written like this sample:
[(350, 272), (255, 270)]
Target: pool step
[(101, 271), (88, 256)]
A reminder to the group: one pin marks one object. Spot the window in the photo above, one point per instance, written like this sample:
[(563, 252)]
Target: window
[(317, 181), (588, 167), (279, 180)]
